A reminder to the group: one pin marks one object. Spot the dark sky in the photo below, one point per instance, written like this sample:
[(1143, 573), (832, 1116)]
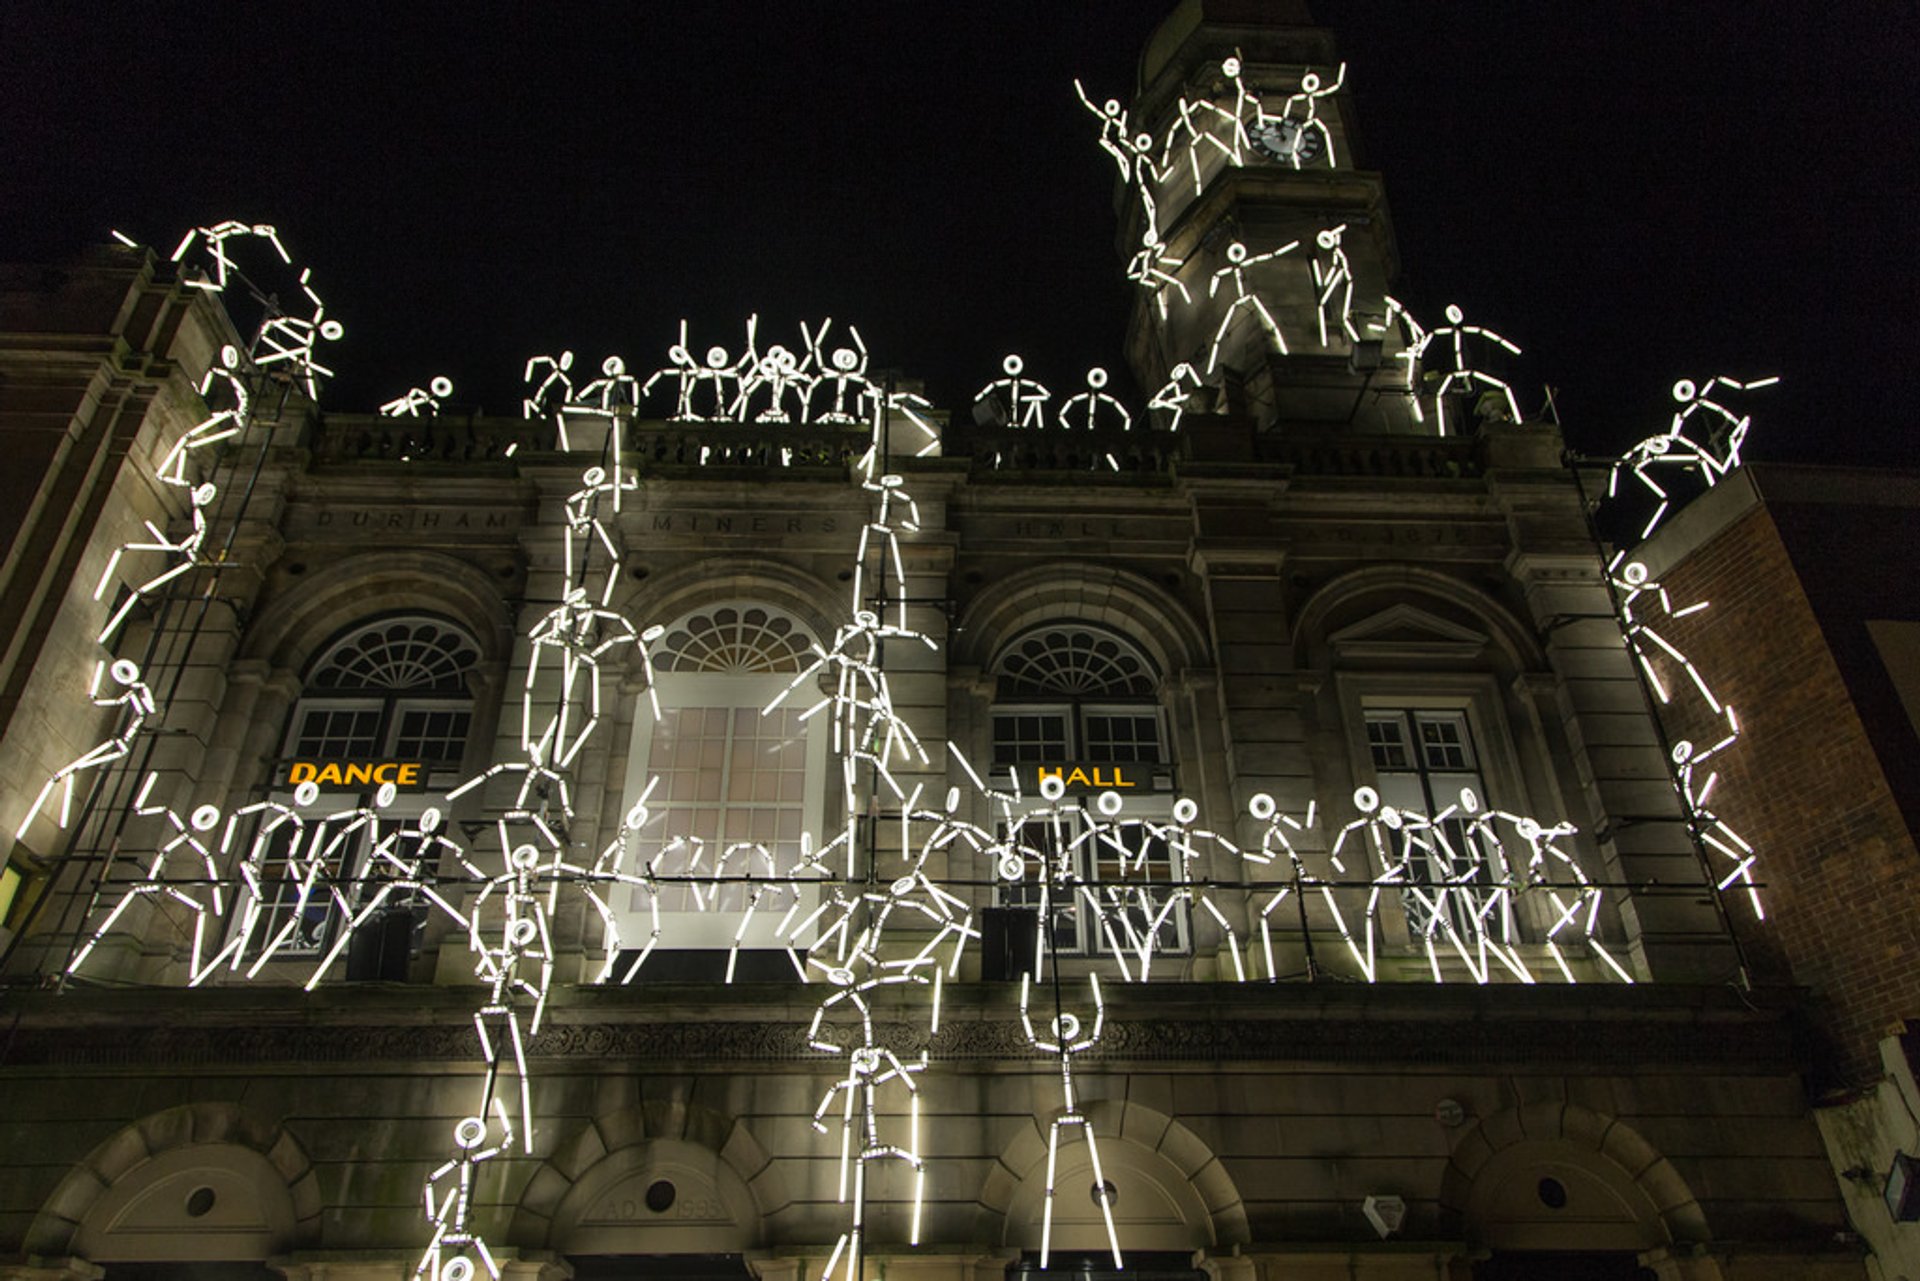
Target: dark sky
[(1633, 191)]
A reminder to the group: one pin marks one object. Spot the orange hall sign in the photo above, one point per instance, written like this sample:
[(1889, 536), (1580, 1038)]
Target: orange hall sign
[(1081, 778), (407, 776)]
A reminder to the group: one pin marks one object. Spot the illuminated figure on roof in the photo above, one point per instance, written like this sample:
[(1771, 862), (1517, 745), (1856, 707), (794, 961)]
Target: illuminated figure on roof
[(1239, 263), (1704, 439), (555, 388), (722, 376), (779, 373), (1454, 339), (1020, 402), (844, 370), (1095, 408), (683, 369), (419, 402), (1173, 397)]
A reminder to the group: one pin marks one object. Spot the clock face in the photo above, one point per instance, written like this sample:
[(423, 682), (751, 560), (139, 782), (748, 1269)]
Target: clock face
[(1284, 140)]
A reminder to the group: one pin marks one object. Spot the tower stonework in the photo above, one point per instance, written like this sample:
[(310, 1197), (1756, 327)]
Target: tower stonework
[(1264, 204)]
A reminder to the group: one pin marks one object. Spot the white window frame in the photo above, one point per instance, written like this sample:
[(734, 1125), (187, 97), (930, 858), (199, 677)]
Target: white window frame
[(1088, 941), (1476, 695), (696, 930)]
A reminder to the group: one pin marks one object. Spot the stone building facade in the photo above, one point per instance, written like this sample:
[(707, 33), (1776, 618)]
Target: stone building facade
[(1291, 597)]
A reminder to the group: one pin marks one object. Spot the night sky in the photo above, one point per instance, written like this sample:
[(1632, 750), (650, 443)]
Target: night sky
[(1633, 191)]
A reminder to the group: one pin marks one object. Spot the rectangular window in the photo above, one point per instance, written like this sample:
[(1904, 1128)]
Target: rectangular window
[(1093, 735), (1118, 875), (730, 775), (1029, 737), (338, 732), (1423, 759), (1122, 738), (437, 736)]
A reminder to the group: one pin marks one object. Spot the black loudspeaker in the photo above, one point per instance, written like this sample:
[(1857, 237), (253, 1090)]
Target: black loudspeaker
[(1009, 942), (380, 948)]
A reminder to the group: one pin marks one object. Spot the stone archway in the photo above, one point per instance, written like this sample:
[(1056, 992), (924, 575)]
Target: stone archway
[(1172, 1191), (1610, 1190), (204, 1181), (599, 1193)]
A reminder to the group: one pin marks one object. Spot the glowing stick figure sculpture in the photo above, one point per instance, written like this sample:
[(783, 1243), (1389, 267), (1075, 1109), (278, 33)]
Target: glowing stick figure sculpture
[(1465, 375), (1069, 1038), (449, 1196), (683, 369), (1298, 135), (1087, 410), (1387, 838), (202, 895), (778, 371), (137, 704), (1239, 263), (1152, 269), (1715, 834), (845, 370), (1710, 452), (419, 401), (1023, 403), (555, 388), (1173, 397), (1132, 152), (1333, 280)]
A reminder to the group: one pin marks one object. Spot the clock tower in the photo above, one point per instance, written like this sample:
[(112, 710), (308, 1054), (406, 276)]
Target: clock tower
[(1274, 247)]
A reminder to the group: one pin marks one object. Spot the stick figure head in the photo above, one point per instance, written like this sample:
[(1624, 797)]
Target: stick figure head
[(1454, 314), (1236, 252), (1231, 66), (1684, 390), (1310, 82), (1013, 365), (716, 357)]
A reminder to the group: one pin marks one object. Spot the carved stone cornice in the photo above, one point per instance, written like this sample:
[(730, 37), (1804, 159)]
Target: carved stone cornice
[(1414, 1027)]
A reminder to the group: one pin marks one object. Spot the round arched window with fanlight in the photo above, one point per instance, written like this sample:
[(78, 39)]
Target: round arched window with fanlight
[(387, 699), (1074, 692), (1080, 703), (736, 767)]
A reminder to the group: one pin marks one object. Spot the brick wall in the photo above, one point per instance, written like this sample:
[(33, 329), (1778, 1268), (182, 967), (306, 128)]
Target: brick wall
[(1804, 787)]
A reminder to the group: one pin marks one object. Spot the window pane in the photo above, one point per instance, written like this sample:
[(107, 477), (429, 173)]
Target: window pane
[(1025, 738), (436, 736), (1122, 738), (1387, 740), (338, 732), (1443, 740)]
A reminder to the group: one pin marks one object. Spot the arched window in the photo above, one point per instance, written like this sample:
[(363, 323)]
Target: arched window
[(392, 692), (732, 773), (1070, 692), (1080, 703), (735, 639), (393, 689)]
